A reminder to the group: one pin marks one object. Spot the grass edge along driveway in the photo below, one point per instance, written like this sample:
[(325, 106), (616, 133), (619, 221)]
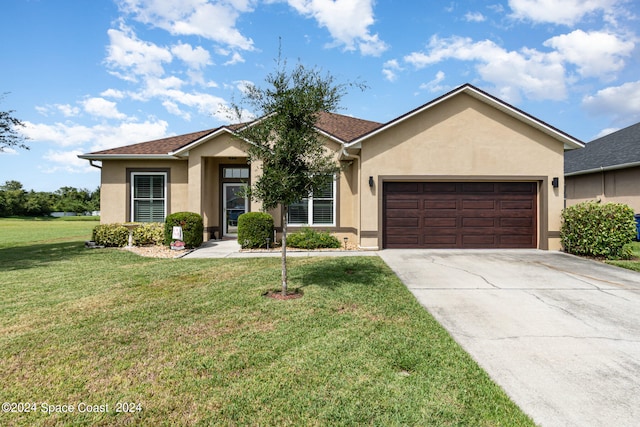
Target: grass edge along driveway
[(193, 342)]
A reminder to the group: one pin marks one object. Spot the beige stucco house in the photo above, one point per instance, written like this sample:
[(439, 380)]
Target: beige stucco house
[(465, 170), (607, 169)]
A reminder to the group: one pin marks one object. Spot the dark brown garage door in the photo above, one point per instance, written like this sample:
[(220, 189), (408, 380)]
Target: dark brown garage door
[(460, 215)]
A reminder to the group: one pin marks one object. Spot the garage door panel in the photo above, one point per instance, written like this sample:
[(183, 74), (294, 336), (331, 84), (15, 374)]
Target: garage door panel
[(478, 241), (477, 187), (478, 222), (460, 215), (402, 204), (441, 204), (403, 222), (444, 241), (516, 204), (403, 240), (438, 187), (525, 221), (478, 204)]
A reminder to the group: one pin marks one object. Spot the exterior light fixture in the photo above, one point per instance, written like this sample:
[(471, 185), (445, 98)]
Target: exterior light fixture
[(555, 182), (345, 242), (371, 181)]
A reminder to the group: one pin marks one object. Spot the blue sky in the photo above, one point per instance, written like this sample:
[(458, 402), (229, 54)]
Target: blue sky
[(90, 75)]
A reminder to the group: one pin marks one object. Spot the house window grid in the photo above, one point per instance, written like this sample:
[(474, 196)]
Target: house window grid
[(152, 198), (313, 207)]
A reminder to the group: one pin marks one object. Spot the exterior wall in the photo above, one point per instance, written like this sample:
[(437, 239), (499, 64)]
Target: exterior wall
[(115, 197), (467, 140), (618, 186)]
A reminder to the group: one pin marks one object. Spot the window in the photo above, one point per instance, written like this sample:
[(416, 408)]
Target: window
[(148, 197), (236, 173), (318, 209)]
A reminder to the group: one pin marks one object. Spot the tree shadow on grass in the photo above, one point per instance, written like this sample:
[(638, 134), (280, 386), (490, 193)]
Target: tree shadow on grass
[(333, 273), (38, 255)]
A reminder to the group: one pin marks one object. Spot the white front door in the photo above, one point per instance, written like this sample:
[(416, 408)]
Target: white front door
[(234, 204)]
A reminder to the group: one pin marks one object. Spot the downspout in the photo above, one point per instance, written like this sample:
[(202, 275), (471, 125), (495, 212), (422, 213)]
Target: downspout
[(359, 201), (94, 165), (603, 183)]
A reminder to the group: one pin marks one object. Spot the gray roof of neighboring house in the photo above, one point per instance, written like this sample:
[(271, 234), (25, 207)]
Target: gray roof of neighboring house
[(614, 151)]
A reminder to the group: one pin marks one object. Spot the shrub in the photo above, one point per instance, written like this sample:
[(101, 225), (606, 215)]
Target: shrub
[(595, 229), (254, 228), (110, 235), (309, 238), (149, 233), (192, 228)]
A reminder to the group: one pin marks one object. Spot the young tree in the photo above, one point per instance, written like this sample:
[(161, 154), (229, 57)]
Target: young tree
[(284, 139), (9, 136)]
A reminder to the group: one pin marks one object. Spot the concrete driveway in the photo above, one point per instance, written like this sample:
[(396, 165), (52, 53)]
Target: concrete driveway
[(560, 334)]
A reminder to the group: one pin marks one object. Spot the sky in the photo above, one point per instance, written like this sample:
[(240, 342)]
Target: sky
[(87, 75)]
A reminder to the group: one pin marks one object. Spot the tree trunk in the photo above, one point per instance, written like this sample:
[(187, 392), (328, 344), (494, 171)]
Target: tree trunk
[(284, 250)]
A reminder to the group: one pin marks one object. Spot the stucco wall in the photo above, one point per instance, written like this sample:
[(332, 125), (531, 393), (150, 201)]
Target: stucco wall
[(115, 195), (462, 139), (619, 186)]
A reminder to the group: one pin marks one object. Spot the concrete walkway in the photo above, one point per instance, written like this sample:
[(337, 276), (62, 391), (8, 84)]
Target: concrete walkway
[(560, 334), (231, 249)]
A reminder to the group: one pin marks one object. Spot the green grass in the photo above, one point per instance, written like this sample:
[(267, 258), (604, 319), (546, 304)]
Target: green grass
[(633, 264), (194, 342)]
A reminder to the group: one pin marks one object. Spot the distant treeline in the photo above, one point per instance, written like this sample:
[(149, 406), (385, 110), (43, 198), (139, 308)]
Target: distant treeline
[(16, 201)]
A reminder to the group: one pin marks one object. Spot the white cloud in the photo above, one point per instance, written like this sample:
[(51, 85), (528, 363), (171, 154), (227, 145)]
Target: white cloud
[(132, 57), (66, 110), (236, 58), (113, 93), (434, 85), (98, 137), (526, 72), (347, 21), (596, 53), (390, 68), (65, 161), (8, 151), (174, 109), (564, 12), (213, 20), (474, 17), (620, 102), (195, 58), (100, 107)]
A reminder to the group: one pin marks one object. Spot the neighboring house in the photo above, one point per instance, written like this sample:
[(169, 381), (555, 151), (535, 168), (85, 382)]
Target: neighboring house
[(465, 170), (606, 169)]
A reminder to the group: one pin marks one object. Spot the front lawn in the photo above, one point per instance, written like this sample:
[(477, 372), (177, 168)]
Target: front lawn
[(633, 264), (193, 342)]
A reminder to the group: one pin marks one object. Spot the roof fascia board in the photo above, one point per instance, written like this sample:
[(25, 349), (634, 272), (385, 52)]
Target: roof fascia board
[(127, 156), (568, 141), (604, 169)]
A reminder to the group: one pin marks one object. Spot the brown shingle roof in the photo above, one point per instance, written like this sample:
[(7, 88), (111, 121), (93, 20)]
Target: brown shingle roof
[(342, 127), (158, 146)]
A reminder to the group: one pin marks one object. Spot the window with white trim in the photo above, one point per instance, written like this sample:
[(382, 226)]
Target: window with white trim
[(317, 209), (148, 196)]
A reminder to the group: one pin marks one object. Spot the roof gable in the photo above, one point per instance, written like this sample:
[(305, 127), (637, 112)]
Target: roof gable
[(614, 151), (568, 141), (338, 127)]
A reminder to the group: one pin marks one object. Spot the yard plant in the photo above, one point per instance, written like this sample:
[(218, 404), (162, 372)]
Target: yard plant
[(193, 342), (598, 229)]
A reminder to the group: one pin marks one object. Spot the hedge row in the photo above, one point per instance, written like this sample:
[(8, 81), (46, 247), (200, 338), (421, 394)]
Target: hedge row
[(152, 233), (598, 229)]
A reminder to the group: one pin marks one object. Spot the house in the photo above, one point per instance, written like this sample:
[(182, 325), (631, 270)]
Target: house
[(606, 169), (465, 170)]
